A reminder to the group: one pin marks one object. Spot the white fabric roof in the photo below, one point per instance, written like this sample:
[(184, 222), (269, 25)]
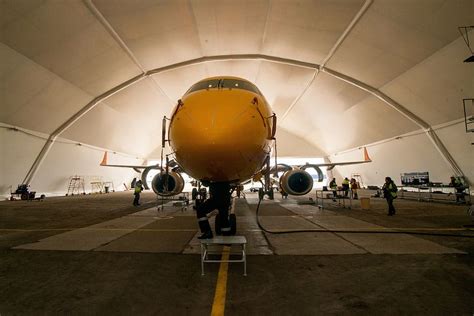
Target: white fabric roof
[(57, 56)]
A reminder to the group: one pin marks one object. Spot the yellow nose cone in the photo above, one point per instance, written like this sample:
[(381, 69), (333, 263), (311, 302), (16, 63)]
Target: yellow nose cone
[(221, 135)]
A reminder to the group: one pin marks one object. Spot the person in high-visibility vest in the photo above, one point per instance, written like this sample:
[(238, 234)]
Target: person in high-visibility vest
[(390, 193), (138, 190), (345, 186)]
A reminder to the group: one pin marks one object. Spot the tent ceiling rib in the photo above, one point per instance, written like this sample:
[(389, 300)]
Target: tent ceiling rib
[(381, 68), (387, 100)]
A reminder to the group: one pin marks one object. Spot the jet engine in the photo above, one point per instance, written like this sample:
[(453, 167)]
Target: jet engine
[(167, 184), (296, 182)]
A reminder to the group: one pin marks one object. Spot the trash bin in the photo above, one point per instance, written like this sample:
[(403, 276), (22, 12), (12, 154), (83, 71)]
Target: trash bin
[(365, 203), (106, 189)]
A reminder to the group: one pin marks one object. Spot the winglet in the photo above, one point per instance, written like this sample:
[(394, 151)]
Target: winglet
[(104, 160), (366, 155)]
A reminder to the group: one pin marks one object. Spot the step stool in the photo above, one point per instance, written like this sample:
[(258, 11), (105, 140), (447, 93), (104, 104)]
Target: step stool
[(240, 241)]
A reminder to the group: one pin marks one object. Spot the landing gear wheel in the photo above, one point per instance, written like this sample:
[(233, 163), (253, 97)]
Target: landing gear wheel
[(233, 224), (260, 194), (218, 225), (194, 193)]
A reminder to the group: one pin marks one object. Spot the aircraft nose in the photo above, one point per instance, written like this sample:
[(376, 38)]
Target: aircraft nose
[(220, 137), (216, 119)]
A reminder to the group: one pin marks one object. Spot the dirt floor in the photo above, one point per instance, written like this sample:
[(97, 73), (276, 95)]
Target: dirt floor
[(163, 282)]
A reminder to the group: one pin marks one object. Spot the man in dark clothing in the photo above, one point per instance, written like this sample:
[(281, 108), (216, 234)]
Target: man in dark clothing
[(459, 187), (219, 199), (390, 193), (333, 187)]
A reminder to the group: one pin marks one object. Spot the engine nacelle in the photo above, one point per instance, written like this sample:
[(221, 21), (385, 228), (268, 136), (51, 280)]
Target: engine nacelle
[(296, 182), (167, 184)]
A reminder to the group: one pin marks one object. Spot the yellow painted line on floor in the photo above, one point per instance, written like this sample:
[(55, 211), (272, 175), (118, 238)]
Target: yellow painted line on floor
[(218, 306)]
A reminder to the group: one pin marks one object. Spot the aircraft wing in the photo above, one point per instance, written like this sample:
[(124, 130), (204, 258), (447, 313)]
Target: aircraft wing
[(334, 164), (104, 163)]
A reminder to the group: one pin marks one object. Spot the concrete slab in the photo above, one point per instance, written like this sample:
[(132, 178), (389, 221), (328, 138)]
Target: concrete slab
[(169, 235), (174, 230), (397, 244), (312, 244), (293, 222), (373, 243), (91, 237), (151, 241)]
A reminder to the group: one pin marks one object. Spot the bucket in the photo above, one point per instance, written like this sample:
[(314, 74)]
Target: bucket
[(365, 203)]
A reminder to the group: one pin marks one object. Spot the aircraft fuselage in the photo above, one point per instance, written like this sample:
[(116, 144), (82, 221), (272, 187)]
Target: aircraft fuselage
[(221, 130)]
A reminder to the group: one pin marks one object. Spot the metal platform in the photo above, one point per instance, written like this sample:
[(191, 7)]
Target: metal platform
[(228, 241)]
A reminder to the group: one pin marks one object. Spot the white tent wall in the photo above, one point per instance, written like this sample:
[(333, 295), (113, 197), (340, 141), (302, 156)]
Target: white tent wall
[(65, 159), (410, 153), (18, 151), (289, 145), (459, 144), (57, 56)]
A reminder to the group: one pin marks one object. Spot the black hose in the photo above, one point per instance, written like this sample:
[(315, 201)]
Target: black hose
[(350, 231)]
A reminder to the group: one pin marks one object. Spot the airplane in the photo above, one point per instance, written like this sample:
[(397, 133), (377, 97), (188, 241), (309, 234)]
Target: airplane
[(221, 132)]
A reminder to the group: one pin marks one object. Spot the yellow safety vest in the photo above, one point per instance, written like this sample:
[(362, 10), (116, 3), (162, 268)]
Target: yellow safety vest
[(138, 188)]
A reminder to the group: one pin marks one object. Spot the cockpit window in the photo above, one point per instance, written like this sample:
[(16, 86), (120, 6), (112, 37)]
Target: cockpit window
[(208, 84), (224, 84), (239, 84)]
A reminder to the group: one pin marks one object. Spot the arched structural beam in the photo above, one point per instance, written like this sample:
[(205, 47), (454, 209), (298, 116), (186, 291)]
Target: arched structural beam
[(377, 93), (331, 53), (73, 119)]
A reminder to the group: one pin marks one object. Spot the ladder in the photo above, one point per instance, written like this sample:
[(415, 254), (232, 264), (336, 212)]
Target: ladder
[(76, 185)]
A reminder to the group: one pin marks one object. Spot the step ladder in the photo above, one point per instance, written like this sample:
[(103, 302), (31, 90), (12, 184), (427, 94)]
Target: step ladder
[(76, 186)]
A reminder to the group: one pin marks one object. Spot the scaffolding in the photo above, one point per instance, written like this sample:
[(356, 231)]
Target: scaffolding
[(100, 186), (76, 186), (97, 185)]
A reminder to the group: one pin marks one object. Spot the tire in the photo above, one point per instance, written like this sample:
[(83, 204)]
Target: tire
[(194, 193), (233, 224)]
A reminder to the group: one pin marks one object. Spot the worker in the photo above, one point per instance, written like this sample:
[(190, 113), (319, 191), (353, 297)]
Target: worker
[(138, 190), (459, 187), (390, 193), (220, 199), (345, 186), (333, 187), (240, 190), (354, 187)]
